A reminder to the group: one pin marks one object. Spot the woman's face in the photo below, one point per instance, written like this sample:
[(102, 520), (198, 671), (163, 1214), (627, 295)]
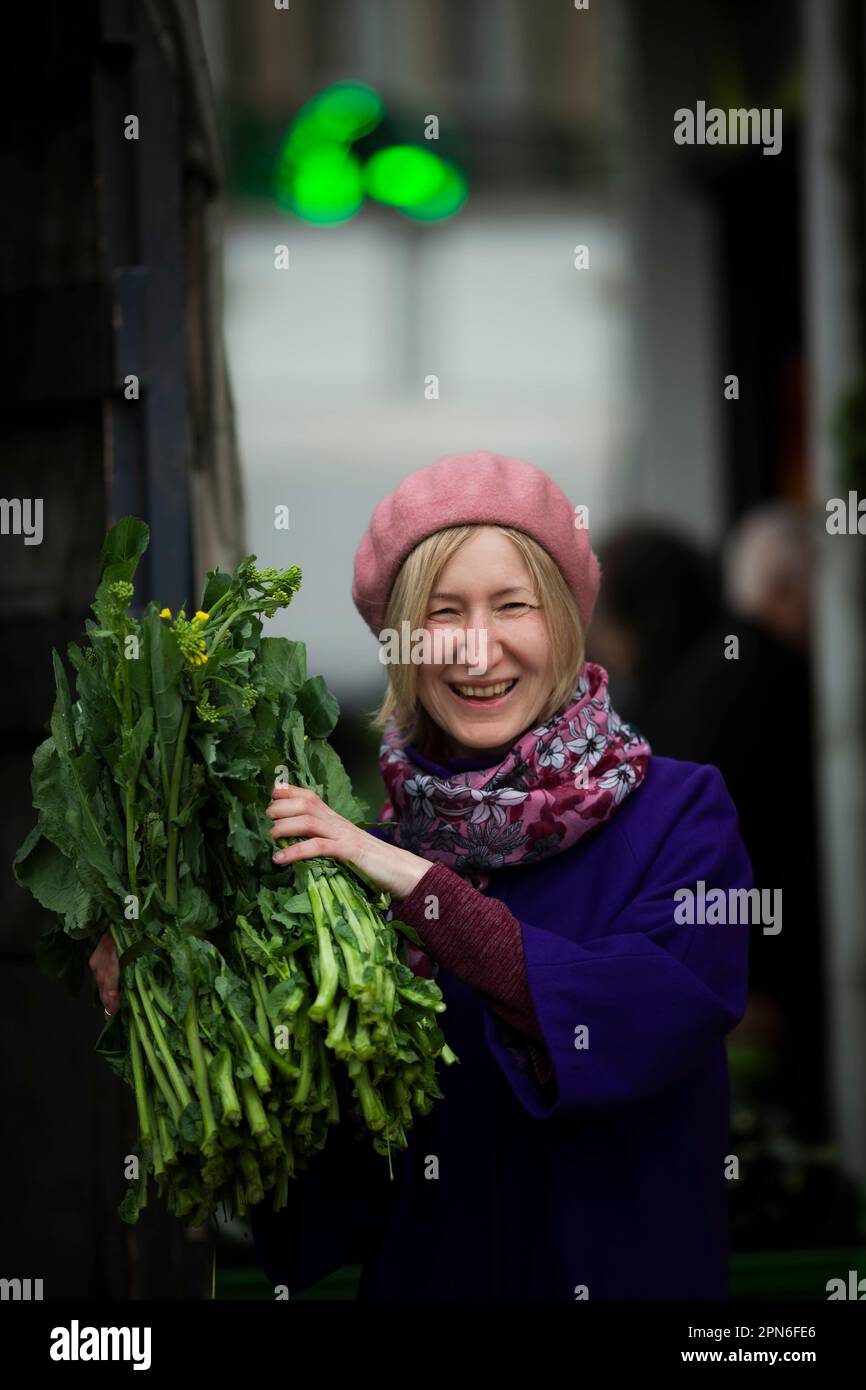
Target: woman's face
[(486, 586)]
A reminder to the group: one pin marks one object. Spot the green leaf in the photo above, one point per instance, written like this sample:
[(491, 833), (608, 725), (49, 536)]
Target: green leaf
[(189, 1126), (196, 911), (344, 932), (166, 663), (328, 770), (290, 904), (99, 711), (195, 964), (62, 728), (123, 547), (134, 953), (129, 1207), (228, 658), (240, 769), (248, 844), (66, 798), (281, 666), (276, 999), (408, 931), (55, 883), (129, 763), (298, 754), (319, 708), (217, 583)]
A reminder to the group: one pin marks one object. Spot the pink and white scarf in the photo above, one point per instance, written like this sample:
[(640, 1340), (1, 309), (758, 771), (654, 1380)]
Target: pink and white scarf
[(557, 783)]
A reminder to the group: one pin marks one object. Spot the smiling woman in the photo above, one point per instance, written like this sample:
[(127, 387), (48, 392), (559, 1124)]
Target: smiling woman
[(497, 581), (578, 1150)]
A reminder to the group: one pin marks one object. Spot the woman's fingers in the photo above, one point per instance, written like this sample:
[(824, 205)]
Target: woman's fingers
[(286, 806), (294, 825), (307, 849), (303, 795), (299, 811), (292, 800), (300, 814)]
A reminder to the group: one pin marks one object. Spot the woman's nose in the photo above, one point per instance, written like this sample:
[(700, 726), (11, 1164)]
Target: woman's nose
[(483, 643)]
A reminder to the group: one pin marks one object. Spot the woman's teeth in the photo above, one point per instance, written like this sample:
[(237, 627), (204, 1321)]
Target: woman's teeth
[(483, 692)]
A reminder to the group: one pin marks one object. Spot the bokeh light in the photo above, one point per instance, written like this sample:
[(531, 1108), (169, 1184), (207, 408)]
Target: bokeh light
[(319, 179)]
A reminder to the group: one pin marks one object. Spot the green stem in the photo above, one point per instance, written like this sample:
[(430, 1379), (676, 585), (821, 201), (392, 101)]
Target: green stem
[(160, 996), (130, 840), (233, 616), (370, 1103), (199, 1067), (261, 1076), (249, 1167), (229, 593), (359, 988), (305, 1079), (221, 680), (329, 977), (142, 1101), (156, 1155), (177, 1079), (423, 1001), (173, 800), (119, 937), (255, 1111), (337, 1020), (257, 986), (130, 790), (231, 1107), (279, 1060), (165, 1139), (150, 1053)]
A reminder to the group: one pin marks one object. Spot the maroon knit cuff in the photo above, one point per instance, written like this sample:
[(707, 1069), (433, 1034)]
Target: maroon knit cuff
[(476, 938)]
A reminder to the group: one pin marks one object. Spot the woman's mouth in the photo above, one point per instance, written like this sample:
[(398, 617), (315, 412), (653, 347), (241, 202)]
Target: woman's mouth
[(492, 694)]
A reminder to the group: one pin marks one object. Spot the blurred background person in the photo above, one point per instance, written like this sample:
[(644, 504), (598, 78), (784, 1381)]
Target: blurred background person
[(726, 679), (662, 593)]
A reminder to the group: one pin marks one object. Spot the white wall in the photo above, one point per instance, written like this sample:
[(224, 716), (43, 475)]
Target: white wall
[(328, 361)]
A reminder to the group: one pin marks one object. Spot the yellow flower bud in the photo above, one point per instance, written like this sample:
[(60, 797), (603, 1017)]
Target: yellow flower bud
[(165, 613), (201, 617)]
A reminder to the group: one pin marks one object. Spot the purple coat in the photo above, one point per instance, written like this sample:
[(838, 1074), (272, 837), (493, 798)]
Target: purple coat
[(614, 1186)]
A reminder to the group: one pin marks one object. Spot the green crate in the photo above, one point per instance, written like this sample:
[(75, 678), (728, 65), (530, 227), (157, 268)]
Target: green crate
[(252, 1283), (792, 1274), (800, 1275)]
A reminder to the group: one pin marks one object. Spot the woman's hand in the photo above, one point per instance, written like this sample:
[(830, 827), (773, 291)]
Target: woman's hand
[(104, 965), (298, 811)]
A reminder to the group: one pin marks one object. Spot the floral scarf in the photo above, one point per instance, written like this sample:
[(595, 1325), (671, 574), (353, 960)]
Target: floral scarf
[(554, 786)]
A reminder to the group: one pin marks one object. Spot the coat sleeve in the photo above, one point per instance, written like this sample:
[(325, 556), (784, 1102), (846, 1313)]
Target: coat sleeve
[(654, 996)]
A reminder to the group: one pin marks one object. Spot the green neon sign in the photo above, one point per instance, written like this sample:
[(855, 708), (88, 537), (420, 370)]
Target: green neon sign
[(319, 179)]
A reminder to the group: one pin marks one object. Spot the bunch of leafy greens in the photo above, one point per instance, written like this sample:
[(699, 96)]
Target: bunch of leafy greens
[(256, 1005)]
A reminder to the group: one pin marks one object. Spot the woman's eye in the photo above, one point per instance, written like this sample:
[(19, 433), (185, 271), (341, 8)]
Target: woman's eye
[(442, 612)]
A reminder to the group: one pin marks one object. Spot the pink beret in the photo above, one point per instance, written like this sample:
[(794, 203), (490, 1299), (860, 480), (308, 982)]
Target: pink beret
[(463, 489)]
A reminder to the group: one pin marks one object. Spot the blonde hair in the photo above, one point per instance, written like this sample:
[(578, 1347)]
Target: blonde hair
[(410, 596)]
